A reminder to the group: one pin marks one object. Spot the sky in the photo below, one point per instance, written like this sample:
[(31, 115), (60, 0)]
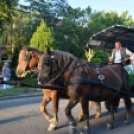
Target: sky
[(107, 5)]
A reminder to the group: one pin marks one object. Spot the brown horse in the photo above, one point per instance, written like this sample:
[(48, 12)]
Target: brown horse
[(28, 60), (77, 73)]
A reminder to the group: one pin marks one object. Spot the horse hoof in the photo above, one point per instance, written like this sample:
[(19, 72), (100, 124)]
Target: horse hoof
[(52, 126), (109, 126), (126, 122), (98, 116), (85, 132), (80, 118), (72, 130)]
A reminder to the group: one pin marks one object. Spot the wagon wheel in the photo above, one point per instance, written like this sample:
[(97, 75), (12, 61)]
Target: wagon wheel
[(116, 104)]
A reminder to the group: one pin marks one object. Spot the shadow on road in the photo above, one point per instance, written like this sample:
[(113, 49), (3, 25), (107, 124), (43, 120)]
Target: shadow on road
[(22, 117)]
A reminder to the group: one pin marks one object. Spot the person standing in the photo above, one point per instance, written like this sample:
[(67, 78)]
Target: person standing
[(120, 54), (6, 73)]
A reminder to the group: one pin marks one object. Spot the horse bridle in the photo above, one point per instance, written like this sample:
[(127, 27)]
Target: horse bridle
[(27, 59), (52, 63), (57, 73)]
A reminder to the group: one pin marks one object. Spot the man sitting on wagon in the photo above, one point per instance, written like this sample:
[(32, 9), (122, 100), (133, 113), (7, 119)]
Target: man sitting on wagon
[(120, 54)]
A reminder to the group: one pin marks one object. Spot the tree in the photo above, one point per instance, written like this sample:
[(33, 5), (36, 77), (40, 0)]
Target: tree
[(17, 33), (43, 38), (49, 11), (101, 20), (6, 11), (72, 35)]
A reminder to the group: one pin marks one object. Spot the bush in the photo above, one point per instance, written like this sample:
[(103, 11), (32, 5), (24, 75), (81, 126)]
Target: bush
[(13, 75), (96, 61), (15, 58), (101, 54)]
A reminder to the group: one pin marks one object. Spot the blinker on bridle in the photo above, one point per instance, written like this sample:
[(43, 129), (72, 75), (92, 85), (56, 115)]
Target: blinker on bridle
[(27, 58), (52, 63)]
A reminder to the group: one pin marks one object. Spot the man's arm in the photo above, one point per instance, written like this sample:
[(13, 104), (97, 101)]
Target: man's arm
[(110, 59), (129, 53)]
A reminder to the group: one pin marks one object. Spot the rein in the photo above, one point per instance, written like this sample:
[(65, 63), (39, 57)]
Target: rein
[(79, 81), (27, 59)]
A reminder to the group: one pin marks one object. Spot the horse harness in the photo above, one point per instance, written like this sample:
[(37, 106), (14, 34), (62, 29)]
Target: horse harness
[(27, 58), (52, 63)]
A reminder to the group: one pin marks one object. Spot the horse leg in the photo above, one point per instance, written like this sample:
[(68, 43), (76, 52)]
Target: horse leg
[(129, 108), (54, 120), (85, 109), (111, 118), (98, 109), (46, 100), (80, 116), (72, 123)]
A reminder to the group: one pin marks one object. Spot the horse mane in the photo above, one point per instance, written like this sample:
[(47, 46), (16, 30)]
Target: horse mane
[(32, 49), (68, 57)]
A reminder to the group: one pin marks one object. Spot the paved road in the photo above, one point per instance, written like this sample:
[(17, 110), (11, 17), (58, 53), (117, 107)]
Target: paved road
[(22, 116)]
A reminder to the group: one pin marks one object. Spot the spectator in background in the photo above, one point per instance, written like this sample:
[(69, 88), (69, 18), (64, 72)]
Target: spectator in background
[(6, 73)]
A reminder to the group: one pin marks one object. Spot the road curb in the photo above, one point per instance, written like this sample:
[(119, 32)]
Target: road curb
[(35, 94)]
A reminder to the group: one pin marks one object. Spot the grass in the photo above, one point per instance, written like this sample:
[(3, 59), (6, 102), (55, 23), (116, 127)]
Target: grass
[(30, 80), (15, 91)]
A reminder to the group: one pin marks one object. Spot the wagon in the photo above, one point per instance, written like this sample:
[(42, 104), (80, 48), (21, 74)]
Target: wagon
[(105, 40)]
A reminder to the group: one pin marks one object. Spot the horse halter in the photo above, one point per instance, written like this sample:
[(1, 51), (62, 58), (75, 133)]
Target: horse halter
[(52, 63), (27, 58)]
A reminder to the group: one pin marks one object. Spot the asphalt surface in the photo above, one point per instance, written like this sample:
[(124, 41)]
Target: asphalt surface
[(23, 116)]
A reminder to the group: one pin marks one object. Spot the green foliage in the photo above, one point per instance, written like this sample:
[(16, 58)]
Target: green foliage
[(101, 20), (99, 56), (50, 10), (72, 35), (43, 38), (96, 61), (6, 12), (15, 91), (30, 80), (15, 58), (78, 25), (16, 34), (13, 75)]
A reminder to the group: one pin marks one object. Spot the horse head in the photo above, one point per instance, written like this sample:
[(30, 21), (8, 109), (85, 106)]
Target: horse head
[(52, 63), (28, 59)]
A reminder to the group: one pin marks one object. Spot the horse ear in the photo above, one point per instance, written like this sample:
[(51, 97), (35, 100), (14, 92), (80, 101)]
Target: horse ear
[(26, 47), (48, 50)]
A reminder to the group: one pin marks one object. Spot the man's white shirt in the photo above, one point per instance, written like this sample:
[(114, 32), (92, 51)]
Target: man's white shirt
[(118, 55)]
